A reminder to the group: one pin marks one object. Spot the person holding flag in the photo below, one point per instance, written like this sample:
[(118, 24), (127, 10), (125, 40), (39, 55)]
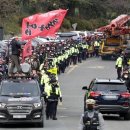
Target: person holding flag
[(27, 50), (14, 53)]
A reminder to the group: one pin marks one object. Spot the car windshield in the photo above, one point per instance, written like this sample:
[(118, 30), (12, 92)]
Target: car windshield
[(19, 89), (109, 87)]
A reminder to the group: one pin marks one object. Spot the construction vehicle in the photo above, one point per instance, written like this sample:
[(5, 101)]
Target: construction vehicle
[(111, 47), (115, 41)]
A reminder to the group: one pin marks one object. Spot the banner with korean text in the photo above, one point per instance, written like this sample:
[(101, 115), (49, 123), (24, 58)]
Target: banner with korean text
[(27, 50), (46, 24)]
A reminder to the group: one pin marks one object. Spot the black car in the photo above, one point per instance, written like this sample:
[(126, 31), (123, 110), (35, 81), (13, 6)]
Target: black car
[(21, 102), (112, 96)]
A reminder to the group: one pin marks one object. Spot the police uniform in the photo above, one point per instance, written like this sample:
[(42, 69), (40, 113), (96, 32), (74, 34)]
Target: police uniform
[(91, 119), (53, 93), (84, 54), (119, 65), (44, 80), (59, 60), (80, 52), (96, 48)]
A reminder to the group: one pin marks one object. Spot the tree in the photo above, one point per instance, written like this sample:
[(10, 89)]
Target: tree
[(7, 9)]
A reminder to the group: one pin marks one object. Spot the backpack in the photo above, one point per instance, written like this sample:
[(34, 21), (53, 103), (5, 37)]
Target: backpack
[(91, 123)]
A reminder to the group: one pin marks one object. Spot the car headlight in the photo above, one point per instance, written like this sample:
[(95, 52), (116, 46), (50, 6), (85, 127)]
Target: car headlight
[(36, 105), (2, 105)]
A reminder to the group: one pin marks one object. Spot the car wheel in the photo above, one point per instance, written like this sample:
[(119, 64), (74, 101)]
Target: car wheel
[(127, 116), (40, 124)]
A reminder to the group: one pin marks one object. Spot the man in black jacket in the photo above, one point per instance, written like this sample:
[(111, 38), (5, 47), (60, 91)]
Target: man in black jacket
[(15, 49)]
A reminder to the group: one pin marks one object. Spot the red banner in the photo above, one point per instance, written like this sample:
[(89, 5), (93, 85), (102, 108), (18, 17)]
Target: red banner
[(27, 50), (42, 24)]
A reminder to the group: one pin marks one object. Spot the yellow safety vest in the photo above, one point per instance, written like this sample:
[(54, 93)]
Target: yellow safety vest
[(44, 79), (119, 62), (96, 44), (128, 62), (48, 90)]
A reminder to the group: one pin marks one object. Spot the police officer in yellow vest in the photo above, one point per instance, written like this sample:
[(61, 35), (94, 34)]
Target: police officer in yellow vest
[(96, 48), (63, 64), (44, 80), (84, 52), (119, 66), (53, 93)]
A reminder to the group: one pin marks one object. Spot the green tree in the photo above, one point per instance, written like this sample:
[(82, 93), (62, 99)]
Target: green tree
[(7, 9)]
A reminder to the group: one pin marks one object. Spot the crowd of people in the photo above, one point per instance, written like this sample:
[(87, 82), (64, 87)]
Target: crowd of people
[(46, 63)]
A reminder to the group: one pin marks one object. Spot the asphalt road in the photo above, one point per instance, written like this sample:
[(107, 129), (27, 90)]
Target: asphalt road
[(71, 83)]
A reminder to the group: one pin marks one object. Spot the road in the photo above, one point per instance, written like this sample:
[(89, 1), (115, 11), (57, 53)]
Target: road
[(71, 83)]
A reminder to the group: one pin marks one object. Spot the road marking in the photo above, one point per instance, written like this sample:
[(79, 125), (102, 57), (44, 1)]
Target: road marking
[(72, 69), (96, 67), (74, 66), (63, 116), (62, 108)]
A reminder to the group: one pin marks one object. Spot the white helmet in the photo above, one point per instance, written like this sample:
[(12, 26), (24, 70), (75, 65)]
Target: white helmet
[(90, 101)]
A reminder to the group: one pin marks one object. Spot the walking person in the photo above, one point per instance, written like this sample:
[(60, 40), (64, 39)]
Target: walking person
[(53, 93), (91, 119), (119, 66)]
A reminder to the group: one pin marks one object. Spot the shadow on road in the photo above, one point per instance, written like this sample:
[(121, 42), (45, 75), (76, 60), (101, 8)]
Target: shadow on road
[(113, 117), (17, 126)]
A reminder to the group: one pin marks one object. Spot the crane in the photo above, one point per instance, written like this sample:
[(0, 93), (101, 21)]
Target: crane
[(117, 26)]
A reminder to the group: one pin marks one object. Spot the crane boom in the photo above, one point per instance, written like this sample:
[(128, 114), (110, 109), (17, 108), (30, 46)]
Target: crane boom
[(117, 25)]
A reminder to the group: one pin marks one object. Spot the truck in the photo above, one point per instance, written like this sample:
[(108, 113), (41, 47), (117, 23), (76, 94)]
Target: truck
[(111, 47), (116, 33)]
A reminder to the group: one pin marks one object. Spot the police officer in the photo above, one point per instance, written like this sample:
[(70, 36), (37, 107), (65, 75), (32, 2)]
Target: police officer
[(80, 52), (84, 52), (119, 66), (59, 61), (91, 119), (53, 93), (44, 80), (96, 48)]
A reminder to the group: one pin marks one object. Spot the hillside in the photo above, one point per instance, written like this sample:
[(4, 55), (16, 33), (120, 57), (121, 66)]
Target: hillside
[(89, 14)]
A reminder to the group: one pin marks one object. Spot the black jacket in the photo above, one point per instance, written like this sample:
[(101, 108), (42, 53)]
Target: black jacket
[(16, 47)]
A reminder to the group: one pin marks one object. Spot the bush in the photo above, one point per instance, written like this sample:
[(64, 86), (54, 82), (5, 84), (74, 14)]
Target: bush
[(89, 24), (82, 23)]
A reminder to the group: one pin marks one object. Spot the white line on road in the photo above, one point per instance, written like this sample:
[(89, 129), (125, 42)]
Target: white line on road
[(72, 69), (61, 108), (96, 67), (74, 66), (63, 116)]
